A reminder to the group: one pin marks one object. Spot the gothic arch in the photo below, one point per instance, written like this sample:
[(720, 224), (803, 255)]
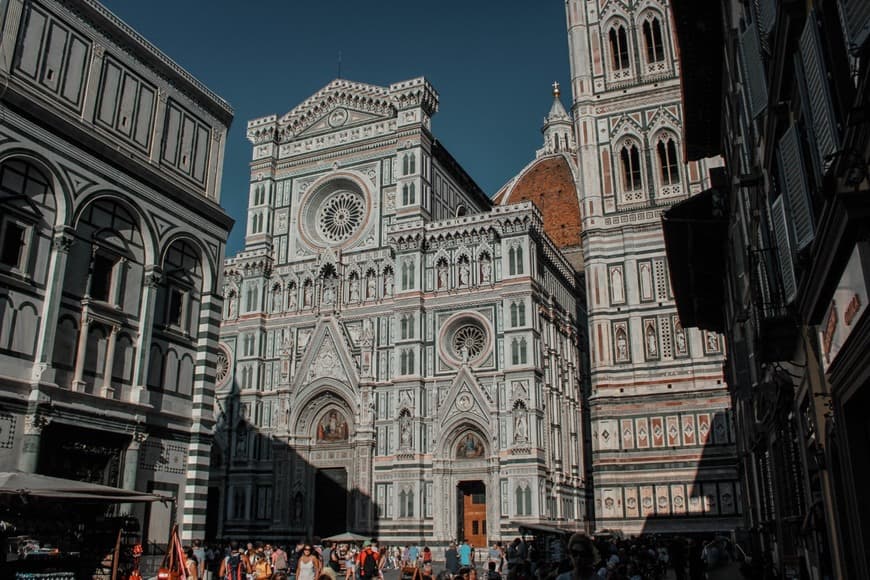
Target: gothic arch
[(322, 396), (457, 429)]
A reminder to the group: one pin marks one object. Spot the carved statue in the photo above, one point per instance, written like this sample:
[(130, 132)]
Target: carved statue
[(307, 295), (405, 436), (371, 287), (329, 294), (291, 298), (485, 269), (233, 309), (442, 275), (388, 284), (354, 289), (621, 346), (520, 427), (464, 274)]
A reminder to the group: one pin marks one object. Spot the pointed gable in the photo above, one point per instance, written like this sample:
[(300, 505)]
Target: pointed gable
[(341, 103), (465, 397), (327, 356)]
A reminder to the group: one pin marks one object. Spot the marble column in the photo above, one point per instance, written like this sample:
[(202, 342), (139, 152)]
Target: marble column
[(131, 466), (139, 393), (106, 390), (78, 383), (60, 246), (28, 460)]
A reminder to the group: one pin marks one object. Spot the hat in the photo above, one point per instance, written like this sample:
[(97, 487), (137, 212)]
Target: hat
[(367, 543)]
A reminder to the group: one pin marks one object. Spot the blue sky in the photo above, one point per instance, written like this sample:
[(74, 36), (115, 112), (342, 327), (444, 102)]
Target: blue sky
[(491, 62)]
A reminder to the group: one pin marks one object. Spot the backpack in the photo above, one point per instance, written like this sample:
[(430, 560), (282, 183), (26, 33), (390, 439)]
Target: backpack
[(235, 570), (369, 566), (493, 575)]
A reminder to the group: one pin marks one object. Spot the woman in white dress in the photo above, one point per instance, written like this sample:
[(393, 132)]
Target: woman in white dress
[(309, 565)]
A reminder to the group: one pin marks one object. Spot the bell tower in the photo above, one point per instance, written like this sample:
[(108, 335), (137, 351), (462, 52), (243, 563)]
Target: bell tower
[(660, 410)]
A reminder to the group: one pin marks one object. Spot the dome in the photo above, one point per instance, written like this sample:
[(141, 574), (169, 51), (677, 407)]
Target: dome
[(549, 183)]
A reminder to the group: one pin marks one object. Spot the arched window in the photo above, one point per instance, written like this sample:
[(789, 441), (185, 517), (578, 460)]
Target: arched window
[(668, 164), (251, 299), (515, 260), (515, 352), (521, 314), (652, 38), (514, 319), (629, 157), (413, 163), (523, 351), (618, 48), (402, 504), (412, 192), (406, 164), (407, 275), (405, 197)]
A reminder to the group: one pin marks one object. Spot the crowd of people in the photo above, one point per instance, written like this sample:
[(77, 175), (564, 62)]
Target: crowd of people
[(582, 558)]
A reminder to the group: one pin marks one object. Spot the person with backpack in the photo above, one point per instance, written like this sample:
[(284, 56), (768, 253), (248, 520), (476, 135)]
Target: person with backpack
[(368, 561), (492, 574), (236, 565)]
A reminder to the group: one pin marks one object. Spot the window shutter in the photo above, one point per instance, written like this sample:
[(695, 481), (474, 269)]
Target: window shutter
[(821, 107), (783, 248), (766, 11), (856, 14), (753, 68), (793, 178)]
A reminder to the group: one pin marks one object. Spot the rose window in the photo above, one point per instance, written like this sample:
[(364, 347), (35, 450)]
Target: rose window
[(222, 368), (340, 216), (469, 341)]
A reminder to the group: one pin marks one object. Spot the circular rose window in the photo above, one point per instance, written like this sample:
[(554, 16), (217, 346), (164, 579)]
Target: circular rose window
[(340, 216), (333, 213), (465, 339), (222, 368), (469, 341)]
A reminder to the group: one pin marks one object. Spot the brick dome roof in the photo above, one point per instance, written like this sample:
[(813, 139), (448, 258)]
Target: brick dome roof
[(549, 183)]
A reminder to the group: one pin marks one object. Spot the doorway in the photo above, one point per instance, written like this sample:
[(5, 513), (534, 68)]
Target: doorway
[(471, 504), (330, 501)]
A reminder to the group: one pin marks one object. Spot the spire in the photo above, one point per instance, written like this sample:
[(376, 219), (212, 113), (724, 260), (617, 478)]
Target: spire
[(557, 129)]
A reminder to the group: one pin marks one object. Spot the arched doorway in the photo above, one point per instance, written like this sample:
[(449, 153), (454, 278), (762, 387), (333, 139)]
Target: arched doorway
[(471, 498), (332, 495)]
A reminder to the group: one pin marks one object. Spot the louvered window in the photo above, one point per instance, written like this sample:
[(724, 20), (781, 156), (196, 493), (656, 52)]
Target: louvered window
[(753, 70), (783, 248), (794, 182), (856, 14), (820, 108)]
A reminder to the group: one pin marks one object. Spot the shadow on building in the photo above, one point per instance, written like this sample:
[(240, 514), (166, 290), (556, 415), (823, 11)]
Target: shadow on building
[(263, 487)]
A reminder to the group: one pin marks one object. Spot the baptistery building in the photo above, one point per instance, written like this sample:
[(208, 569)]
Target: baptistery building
[(399, 356), (111, 247)]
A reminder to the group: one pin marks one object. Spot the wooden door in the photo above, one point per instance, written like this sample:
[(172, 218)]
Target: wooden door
[(474, 514)]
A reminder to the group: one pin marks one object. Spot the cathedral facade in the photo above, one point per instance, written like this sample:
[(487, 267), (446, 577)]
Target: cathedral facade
[(399, 356), (663, 454)]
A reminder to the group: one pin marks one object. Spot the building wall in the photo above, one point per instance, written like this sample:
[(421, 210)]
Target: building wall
[(663, 448), (111, 248), (344, 348)]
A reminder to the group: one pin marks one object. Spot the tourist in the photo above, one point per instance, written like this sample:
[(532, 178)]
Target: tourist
[(190, 565), (279, 560), (451, 559), (308, 567), (465, 554)]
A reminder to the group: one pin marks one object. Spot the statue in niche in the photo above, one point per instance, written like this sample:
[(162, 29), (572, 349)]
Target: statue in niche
[(371, 287), (329, 293), (470, 447), (621, 346), (651, 347), (291, 297), (354, 289), (521, 426), (234, 307), (405, 432), (332, 427), (712, 342), (307, 294), (277, 295), (442, 275), (464, 273), (485, 268), (680, 335), (388, 283)]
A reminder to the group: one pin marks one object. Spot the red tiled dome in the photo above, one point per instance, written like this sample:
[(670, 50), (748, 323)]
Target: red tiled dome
[(549, 183)]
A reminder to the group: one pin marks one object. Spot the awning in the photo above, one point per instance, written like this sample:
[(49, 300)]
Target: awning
[(347, 538), (42, 486), (696, 233)]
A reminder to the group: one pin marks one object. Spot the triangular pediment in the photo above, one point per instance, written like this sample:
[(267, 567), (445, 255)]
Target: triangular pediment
[(340, 104), (327, 357), (465, 397)]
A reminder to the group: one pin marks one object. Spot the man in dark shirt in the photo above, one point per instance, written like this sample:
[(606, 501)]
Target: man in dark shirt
[(451, 559)]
